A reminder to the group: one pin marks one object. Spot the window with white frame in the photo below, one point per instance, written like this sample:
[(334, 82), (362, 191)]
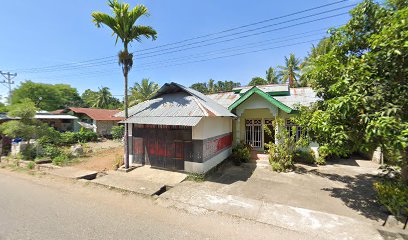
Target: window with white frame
[(295, 130)]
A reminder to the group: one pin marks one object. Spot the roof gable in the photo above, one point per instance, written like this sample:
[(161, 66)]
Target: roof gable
[(269, 98), (97, 114)]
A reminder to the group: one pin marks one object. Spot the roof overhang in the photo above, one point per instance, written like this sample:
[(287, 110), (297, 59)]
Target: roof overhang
[(267, 97), (174, 121)]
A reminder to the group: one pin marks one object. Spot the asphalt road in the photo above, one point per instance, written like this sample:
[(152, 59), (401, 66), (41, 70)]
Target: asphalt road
[(43, 207)]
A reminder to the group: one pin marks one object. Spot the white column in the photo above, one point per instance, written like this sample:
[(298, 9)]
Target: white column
[(130, 142), (238, 130)]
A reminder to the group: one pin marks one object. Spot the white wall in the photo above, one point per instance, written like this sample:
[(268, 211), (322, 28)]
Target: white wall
[(204, 167), (211, 127)]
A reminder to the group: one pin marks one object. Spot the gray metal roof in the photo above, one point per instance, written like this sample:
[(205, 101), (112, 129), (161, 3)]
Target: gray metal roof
[(302, 96), (225, 99), (265, 88), (175, 104), (177, 121), (54, 116)]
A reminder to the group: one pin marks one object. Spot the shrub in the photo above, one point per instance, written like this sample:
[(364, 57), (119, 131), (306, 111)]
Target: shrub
[(68, 138), (305, 157), (51, 151), (282, 155), (29, 152), (196, 177), (85, 135), (394, 196), (241, 154), (119, 161), (31, 165), (118, 132), (49, 136), (60, 159)]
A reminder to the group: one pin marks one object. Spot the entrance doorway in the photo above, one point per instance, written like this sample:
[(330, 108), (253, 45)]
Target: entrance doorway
[(253, 132)]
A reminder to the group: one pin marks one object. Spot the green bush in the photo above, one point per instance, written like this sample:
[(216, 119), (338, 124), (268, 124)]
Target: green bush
[(61, 159), (394, 196), (118, 132), (196, 177), (241, 154), (29, 153), (304, 157), (282, 155), (85, 135), (49, 136), (51, 151), (31, 165), (68, 138)]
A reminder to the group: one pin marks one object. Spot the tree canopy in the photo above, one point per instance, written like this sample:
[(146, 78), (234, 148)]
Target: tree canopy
[(211, 87), (46, 96), (257, 81), (100, 99), (362, 81), (272, 76), (142, 91)]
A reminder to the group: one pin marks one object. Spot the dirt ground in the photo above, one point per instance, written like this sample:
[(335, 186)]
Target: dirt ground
[(100, 156)]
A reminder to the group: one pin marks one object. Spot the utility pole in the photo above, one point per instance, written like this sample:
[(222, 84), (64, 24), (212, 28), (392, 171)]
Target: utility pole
[(8, 76)]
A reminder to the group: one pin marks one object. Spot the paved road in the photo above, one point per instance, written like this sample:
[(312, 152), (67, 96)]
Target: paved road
[(33, 207)]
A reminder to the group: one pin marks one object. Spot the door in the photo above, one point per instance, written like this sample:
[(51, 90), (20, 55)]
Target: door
[(253, 132)]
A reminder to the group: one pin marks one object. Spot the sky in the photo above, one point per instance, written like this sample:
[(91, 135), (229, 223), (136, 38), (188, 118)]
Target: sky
[(53, 42)]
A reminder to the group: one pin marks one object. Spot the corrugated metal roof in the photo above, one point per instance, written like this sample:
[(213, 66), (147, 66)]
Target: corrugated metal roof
[(54, 116), (175, 104), (265, 88), (177, 121), (302, 96), (225, 99)]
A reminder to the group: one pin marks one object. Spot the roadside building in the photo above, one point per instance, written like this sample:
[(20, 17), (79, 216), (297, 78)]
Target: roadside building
[(179, 129), (100, 121), (60, 122)]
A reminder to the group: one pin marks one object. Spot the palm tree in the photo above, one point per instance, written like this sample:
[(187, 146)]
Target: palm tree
[(103, 98), (271, 76), (142, 92), (123, 25), (291, 70)]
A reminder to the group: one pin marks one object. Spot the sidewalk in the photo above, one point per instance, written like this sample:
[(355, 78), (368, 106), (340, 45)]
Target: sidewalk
[(325, 225)]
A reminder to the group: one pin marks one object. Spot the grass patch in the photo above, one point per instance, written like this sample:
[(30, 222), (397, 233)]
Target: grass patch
[(196, 177)]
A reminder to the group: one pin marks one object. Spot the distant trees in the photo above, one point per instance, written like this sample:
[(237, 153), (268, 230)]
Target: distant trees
[(257, 81), (102, 98), (143, 91), (211, 87), (46, 96), (290, 71), (271, 76)]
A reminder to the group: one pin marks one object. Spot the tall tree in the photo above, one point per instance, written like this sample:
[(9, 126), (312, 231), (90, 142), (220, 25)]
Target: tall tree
[(201, 87), (46, 96), (362, 81), (123, 25), (271, 76), (210, 87), (256, 81), (143, 91), (290, 72)]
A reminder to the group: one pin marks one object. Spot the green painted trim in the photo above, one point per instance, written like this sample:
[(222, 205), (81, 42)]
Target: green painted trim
[(261, 93), (237, 90), (280, 93)]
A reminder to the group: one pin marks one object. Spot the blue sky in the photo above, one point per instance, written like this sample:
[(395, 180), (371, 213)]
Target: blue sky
[(37, 34)]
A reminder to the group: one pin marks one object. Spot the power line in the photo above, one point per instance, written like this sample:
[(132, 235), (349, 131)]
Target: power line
[(194, 38), (8, 76), (107, 62)]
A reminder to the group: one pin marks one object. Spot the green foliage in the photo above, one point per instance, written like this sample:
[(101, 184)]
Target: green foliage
[(100, 99), (118, 132), (272, 76), (290, 72), (46, 96), (361, 79), (257, 81), (31, 165), (394, 196), (302, 156), (60, 160), (85, 135), (210, 87), (196, 177), (69, 138), (282, 155), (241, 154), (143, 91), (29, 152), (51, 151)]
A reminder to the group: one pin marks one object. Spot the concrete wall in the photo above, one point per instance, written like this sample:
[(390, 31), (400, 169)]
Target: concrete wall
[(212, 126), (206, 130), (105, 127)]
